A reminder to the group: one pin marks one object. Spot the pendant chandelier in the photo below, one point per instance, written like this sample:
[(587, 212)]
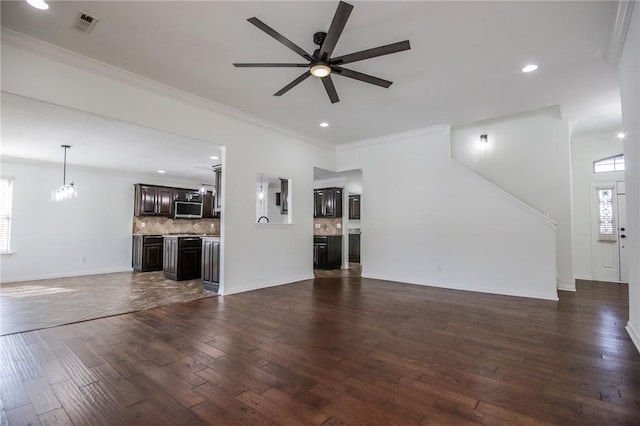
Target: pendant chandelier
[(66, 191), (203, 186)]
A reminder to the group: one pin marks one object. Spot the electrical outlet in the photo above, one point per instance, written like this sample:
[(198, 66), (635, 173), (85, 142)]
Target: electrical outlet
[(142, 225), (317, 225), (339, 225)]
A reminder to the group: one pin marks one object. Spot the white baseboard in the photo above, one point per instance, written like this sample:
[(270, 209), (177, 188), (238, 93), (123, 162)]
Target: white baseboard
[(583, 277), (256, 286), (567, 287), (635, 336), (455, 286), (64, 275)]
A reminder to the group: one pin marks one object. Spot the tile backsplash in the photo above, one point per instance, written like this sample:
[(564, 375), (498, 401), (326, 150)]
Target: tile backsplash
[(328, 226), (164, 225)]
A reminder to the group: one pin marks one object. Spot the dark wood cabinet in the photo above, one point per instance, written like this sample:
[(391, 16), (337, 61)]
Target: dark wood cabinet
[(182, 257), (327, 251), (327, 202), (208, 203), (284, 196), (217, 200), (147, 253), (354, 207), (211, 263), (354, 248), (153, 200)]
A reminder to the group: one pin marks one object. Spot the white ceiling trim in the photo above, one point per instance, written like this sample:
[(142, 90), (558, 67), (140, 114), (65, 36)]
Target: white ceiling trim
[(71, 58), (619, 32), (440, 128)]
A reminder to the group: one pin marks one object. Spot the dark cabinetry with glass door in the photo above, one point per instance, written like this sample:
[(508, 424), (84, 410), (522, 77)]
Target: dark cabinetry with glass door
[(327, 202), (354, 207)]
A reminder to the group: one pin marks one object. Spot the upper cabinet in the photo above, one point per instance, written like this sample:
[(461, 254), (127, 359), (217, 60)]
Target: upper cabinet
[(153, 200), (284, 196), (327, 202), (354, 207), (217, 200)]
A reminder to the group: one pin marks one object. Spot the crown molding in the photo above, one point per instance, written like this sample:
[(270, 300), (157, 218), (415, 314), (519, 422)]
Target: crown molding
[(440, 128), (68, 57), (619, 32)]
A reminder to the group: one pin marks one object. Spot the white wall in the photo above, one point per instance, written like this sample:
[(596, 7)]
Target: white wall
[(253, 256), (629, 70), (528, 155), (49, 239), (431, 221), (584, 151)]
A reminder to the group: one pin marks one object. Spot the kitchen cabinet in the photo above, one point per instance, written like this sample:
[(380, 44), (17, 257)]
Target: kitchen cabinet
[(182, 257), (354, 248), (284, 196), (327, 202), (147, 253), (211, 263), (327, 251), (208, 204), (153, 200), (354, 207), (181, 194), (217, 205)]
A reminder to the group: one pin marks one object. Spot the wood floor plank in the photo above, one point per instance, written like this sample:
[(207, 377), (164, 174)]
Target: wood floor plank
[(335, 351), (41, 395), (23, 415), (57, 417), (79, 410)]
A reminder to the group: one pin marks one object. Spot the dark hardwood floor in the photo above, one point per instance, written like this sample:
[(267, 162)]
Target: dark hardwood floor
[(334, 350)]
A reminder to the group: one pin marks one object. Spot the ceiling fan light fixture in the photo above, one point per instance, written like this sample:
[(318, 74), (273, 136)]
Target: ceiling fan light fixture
[(320, 69), (38, 4)]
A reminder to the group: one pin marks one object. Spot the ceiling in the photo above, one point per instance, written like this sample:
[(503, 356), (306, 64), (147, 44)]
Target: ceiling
[(464, 63)]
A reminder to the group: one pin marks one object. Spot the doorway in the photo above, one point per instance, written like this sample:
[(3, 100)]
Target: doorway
[(340, 227)]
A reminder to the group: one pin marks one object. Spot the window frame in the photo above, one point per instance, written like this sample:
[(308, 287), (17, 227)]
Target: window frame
[(8, 214), (617, 161)]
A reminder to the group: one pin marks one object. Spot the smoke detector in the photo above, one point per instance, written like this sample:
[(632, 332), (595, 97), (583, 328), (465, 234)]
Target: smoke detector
[(84, 22)]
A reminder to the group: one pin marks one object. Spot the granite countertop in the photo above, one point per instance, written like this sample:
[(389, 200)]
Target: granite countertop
[(191, 235)]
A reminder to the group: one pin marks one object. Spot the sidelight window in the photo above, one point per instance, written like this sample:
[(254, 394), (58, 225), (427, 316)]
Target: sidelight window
[(6, 186)]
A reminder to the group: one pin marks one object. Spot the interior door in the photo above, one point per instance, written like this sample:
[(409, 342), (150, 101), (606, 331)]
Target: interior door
[(622, 232)]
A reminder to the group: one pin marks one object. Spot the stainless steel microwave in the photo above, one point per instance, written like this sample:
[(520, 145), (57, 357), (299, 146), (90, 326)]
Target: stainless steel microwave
[(187, 210)]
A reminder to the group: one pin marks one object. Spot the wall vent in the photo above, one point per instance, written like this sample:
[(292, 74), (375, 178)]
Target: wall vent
[(84, 22)]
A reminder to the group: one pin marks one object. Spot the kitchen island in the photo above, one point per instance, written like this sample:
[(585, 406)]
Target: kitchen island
[(211, 263), (182, 256)]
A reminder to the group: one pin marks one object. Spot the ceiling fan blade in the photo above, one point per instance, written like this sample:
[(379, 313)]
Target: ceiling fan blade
[(293, 84), (371, 53), (335, 29), (330, 88), (362, 77), (282, 39), (270, 65)]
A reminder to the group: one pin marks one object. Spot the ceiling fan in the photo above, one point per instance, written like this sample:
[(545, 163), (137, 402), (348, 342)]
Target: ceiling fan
[(321, 64)]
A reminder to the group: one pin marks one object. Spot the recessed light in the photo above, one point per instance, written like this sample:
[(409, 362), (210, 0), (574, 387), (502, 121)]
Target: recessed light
[(324, 124), (161, 171), (38, 4), (213, 157), (621, 135), (530, 68)]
